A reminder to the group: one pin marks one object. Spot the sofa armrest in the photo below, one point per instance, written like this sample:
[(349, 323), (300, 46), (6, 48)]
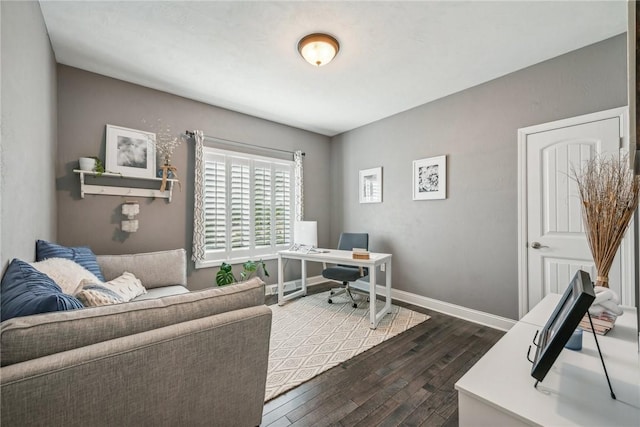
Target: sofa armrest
[(154, 269), (30, 337), (208, 371)]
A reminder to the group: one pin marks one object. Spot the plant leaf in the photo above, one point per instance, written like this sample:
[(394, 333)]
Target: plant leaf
[(250, 266), (224, 277), (264, 268)]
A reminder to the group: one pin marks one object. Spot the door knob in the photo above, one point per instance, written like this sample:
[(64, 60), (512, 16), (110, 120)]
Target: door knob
[(537, 245)]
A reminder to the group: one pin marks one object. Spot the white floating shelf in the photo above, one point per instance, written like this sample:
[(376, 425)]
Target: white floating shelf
[(112, 190)]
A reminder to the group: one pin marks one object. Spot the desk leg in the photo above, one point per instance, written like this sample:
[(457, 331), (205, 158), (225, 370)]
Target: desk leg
[(291, 295), (376, 317), (303, 271), (372, 298), (280, 281), (387, 304)]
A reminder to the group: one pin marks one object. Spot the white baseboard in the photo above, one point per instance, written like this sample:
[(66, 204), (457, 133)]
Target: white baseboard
[(475, 316), (294, 284)]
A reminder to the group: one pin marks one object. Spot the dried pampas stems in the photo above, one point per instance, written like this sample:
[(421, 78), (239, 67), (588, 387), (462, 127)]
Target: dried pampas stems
[(609, 194)]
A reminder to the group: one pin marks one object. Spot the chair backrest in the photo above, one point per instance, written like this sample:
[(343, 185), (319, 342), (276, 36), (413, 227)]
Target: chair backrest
[(348, 241)]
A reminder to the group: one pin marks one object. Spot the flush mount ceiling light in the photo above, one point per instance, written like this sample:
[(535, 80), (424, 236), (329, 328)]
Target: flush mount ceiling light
[(318, 49)]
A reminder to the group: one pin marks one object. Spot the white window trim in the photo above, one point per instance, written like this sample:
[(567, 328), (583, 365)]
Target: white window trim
[(270, 253)]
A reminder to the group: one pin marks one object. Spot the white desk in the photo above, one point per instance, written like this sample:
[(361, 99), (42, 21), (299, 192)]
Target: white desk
[(345, 258), (498, 390)]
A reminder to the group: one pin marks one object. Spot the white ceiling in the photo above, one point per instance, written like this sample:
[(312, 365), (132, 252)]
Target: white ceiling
[(394, 55)]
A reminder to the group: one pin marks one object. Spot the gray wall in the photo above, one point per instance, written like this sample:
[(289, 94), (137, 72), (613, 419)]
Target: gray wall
[(463, 250), (28, 132), (87, 102)]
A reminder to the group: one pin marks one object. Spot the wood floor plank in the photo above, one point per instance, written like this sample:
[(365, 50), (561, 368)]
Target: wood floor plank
[(407, 380)]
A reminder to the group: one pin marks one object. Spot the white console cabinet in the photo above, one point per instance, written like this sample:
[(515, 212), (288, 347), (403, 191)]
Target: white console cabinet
[(499, 390)]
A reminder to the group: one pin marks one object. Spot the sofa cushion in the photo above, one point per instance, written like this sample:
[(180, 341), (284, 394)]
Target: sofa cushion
[(154, 269), (30, 337), (81, 254), (164, 291), (66, 273), (26, 291)]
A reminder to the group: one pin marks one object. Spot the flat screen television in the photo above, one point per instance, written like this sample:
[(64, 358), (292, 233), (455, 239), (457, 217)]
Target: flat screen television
[(563, 321)]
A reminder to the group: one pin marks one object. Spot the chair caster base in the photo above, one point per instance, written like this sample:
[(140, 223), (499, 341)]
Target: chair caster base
[(355, 305), (330, 301)]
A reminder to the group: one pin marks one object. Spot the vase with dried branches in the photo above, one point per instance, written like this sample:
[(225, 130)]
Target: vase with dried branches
[(609, 194)]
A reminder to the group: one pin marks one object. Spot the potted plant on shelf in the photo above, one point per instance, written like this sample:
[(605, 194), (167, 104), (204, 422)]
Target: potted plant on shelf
[(249, 268)]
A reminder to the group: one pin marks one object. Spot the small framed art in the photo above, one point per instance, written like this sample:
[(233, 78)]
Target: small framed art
[(430, 178), (371, 185), (130, 152)]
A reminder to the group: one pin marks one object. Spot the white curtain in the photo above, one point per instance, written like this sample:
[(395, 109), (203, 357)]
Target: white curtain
[(299, 185), (198, 206)]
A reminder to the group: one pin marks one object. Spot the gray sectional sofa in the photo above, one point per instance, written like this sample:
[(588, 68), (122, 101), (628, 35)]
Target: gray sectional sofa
[(169, 358)]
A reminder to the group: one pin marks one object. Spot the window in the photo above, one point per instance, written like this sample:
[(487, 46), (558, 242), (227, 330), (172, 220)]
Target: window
[(248, 206)]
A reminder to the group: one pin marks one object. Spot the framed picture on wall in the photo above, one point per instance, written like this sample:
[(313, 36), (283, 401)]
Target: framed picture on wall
[(430, 178), (130, 152), (370, 184)]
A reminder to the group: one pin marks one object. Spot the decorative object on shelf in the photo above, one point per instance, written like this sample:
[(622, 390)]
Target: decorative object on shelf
[(318, 49), (225, 274), (165, 144), (604, 311), (563, 321), (130, 209), (575, 340), (609, 194), (371, 185), (169, 172), (130, 152), (99, 167), (430, 178), (87, 163)]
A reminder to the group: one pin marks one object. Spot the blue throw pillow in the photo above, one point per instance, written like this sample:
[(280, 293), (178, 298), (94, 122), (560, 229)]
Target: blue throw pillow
[(25, 291), (81, 255)]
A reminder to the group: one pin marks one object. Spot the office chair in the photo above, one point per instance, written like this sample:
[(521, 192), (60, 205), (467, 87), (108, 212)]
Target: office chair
[(346, 273)]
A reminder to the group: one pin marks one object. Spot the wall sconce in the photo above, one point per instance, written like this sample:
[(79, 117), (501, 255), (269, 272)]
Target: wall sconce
[(130, 209), (318, 49)]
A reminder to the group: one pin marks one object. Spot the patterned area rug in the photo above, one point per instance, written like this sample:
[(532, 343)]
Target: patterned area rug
[(309, 336)]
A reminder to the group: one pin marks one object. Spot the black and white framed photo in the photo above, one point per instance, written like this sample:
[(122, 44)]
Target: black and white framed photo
[(430, 178), (130, 152), (371, 185)]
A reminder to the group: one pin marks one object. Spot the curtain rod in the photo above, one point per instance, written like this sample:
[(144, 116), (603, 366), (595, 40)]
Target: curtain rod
[(192, 134)]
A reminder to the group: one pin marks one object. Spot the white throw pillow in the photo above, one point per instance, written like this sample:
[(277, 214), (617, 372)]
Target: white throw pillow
[(66, 273), (94, 295), (126, 286)]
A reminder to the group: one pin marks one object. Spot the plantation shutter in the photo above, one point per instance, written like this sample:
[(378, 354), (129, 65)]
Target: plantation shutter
[(262, 204), (248, 206), (215, 202), (282, 205), (239, 195)]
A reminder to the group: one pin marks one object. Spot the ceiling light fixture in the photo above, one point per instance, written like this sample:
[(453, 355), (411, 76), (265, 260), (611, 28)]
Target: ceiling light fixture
[(318, 49)]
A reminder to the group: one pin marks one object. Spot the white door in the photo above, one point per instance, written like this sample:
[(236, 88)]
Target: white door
[(555, 244)]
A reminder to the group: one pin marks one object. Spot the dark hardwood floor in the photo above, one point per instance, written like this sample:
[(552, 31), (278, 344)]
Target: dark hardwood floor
[(407, 380)]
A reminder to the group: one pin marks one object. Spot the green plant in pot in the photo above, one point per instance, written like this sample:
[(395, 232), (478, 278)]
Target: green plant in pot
[(99, 169), (225, 274)]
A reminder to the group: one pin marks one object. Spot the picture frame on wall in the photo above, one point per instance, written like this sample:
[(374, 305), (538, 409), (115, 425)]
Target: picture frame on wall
[(370, 185), (130, 152), (430, 178)]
